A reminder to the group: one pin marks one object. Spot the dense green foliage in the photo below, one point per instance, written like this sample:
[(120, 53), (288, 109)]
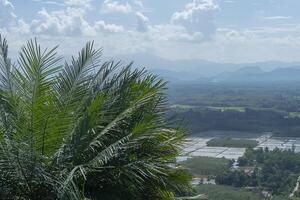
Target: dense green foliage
[(237, 178), (85, 129), (207, 165), (252, 120), (219, 192), (275, 171), (276, 96), (236, 107), (229, 142)]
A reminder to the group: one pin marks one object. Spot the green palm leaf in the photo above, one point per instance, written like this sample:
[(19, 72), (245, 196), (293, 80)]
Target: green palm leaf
[(87, 129)]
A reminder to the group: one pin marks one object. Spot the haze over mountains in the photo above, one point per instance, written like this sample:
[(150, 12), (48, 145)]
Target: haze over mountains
[(202, 70), (256, 74)]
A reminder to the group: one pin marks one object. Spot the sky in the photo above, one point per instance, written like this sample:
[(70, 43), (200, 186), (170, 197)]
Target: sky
[(237, 31)]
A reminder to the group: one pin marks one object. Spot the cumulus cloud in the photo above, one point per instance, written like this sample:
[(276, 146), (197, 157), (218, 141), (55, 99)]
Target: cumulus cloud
[(7, 15), (197, 16), (133, 9), (173, 33), (68, 21), (9, 21), (7, 3), (188, 34), (142, 22), (111, 6), (103, 26), (71, 22), (165, 32), (139, 3)]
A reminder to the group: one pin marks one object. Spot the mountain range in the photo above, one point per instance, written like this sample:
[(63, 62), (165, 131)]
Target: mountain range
[(256, 74), (202, 70)]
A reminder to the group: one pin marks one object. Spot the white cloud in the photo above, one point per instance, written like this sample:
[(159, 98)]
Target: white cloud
[(165, 32), (229, 1), (198, 16), (142, 22), (86, 4), (173, 33), (70, 22), (185, 37), (50, 2), (7, 3), (277, 17), (103, 26), (139, 3), (238, 46), (7, 15), (111, 6), (9, 20), (21, 27), (79, 3)]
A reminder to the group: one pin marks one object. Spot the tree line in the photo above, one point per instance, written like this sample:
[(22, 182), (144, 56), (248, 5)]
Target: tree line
[(275, 171)]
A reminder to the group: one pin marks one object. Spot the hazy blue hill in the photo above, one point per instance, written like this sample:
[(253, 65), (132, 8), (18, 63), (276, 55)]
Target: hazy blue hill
[(186, 69), (239, 75), (255, 74), (191, 70), (175, 76), (253, 70)]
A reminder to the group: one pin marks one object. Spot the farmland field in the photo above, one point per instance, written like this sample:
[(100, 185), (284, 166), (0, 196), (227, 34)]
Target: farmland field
[(206, 165), (229, 142)]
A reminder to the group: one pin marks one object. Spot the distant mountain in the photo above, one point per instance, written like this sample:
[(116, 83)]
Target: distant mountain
[(239, 74), (249, 71), (180, 69), (189, 70), (256, 74)]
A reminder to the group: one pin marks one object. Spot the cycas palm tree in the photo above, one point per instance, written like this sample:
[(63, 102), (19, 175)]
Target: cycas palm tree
[(85, 129)]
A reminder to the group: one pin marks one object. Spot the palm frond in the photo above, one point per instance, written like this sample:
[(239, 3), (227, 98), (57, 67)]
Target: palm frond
[(89, 129), (35, 78), (75, 78)]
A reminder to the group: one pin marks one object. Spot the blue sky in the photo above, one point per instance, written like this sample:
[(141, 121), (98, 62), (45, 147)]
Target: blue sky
[(217, 30)]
